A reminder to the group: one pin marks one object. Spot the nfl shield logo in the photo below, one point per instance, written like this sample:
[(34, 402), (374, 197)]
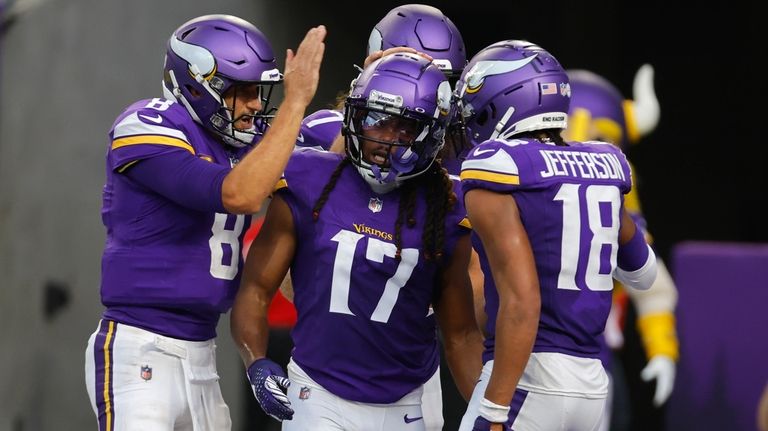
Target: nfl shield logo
[(304, 393), (146, 372), (374, 205)]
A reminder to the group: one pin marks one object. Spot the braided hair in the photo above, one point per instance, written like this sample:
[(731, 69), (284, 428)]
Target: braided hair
[(440, 199), (329, 186)]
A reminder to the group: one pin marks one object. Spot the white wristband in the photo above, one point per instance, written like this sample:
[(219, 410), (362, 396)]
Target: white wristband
[(493, 412)]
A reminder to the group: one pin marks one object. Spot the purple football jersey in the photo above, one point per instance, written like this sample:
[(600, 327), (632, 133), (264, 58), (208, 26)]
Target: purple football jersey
[(364, 330), (167, 267), (569, 199), (320, 129), (452, 165)]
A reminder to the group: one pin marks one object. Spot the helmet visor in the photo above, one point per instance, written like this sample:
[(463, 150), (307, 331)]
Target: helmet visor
[(388, 128)]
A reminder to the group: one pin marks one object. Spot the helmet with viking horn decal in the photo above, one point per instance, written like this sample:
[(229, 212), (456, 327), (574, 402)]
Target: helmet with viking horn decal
[(599, 111), (209, 55)]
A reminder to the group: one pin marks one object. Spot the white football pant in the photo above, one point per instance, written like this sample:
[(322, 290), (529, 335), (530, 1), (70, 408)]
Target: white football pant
[(140, 381)]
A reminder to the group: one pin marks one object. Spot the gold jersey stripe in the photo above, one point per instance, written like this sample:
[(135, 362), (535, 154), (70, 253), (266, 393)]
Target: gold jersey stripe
[(473, 174), (107, 372), (465, 223), (151, 139), (126, 166), (281, 184)]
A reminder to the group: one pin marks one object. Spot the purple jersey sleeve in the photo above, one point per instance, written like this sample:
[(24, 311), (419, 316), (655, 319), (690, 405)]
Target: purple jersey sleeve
[(157, 144), (320, 129), (182, 178), (633, 254), (144, 131)]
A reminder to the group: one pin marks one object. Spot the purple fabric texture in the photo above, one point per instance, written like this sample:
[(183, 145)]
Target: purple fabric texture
[(722, 322)]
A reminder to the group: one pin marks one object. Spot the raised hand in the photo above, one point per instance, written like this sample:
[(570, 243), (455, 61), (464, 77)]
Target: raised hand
[(375, 55), (270, 387), (302, 69)]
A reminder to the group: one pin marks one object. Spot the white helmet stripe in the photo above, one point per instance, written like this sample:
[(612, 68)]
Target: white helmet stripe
[(482, 69), (194, 55)]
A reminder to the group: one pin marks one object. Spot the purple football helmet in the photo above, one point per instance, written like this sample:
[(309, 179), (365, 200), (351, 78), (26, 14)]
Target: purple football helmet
[(402, 90), (511, 87), (599, 111), (207, 56), (423, 28)]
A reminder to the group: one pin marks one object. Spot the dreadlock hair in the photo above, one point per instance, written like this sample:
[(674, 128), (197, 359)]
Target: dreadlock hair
[(329, 186), (440, 200), (406, 209), (438, 190), (455, 141)]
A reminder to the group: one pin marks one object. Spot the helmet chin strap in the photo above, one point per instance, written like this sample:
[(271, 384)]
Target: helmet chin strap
[(245, 136), (377, 185), (229, 140), (231, 135), (384, 181), (377, 173), (237, 138), (403, 159)]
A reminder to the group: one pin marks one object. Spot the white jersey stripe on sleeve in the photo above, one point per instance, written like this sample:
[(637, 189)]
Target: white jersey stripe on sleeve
[(337, 116), (501, 162), (132, 126)]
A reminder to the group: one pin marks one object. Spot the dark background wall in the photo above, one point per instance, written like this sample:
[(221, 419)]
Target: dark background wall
[(67, 68)]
